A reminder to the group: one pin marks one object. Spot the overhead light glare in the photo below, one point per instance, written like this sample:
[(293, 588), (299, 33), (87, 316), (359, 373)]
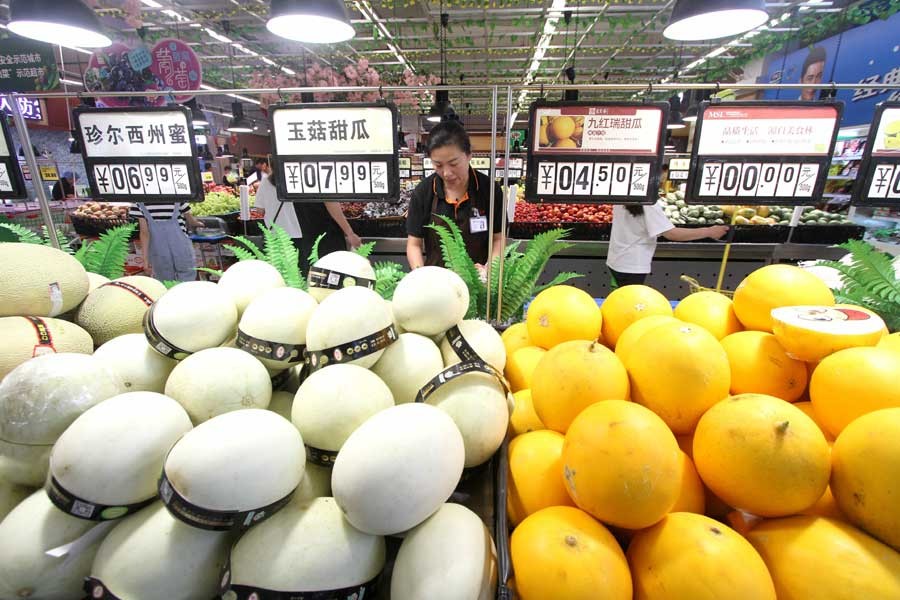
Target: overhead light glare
[(57, 22), (311, 21), (696, 20)]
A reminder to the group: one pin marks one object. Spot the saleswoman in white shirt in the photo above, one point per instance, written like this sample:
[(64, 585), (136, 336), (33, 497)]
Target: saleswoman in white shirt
[(632, 241), (282, 214)]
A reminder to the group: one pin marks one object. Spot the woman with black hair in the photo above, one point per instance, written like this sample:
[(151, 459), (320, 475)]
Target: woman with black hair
[(632, 241), (457, 191)]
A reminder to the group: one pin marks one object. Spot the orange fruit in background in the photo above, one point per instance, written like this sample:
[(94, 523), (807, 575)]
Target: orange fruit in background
[(561, 128), (774, 286), (520, 367), (633, 333), (628, 304), (561, 553), (678, 370), (622, 464), (762, 455), (854, 382), (692, 557), (545, 139), (563, 313), (535, 474), (760, 365), (515, 337), (710, 310), (692, 497), (523, 418), (566, 143), (809, 410), (572, 376)]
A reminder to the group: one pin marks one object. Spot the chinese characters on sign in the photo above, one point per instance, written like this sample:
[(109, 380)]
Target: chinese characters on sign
[(27, 66), (11, 184), (881, 160), (29, 107)]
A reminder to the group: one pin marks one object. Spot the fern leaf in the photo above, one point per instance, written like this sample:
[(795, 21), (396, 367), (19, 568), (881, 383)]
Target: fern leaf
[(170, 283), (214, 272), (240, 253), (366, 249), (387, 276), (251, 248), (456, 258), (314, 253), (558, 280), (520, 285), (287, 258), (81, 253), (107, 255), (25, 235)]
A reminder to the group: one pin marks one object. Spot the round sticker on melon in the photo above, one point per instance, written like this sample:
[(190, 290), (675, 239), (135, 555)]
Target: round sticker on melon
[(810, 333)]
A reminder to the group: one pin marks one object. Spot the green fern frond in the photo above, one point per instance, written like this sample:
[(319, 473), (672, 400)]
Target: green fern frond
[(387, 276), (314, 253), (520, 284), (240, 253), (60, 237), (25, 235), (281, 253), (456, 258), (214, 272), (366, 249), (558, 280), (251, 248), (170, 283), (107, 255), (869, 280)]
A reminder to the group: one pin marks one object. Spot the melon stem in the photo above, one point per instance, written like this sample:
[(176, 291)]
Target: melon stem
[(782, 427)]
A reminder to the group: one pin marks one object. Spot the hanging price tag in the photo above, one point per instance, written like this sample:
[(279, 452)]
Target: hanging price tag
[(880, 168)]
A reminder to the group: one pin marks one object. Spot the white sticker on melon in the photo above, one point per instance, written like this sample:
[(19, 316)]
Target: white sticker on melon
[(39, 280), (141, 368), (430, 300), (342, 262), (348, 315), (22, 339), (118, 307), (810, 333), (483, 339), (408, 364), (245, 280), (279, 316), (195, 315)]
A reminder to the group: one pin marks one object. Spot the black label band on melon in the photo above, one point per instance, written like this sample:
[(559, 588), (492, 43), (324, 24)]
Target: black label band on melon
[(71, 504), (134, 290), (214, 520), (158, 342), (97, 590), (459, 369), (323, 458), (44, 337), (289, 353), (249, 592), (461, 345), (327, 279), (370, 344)]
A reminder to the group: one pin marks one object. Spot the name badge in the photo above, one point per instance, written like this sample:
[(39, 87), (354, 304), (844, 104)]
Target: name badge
[(478, 224)]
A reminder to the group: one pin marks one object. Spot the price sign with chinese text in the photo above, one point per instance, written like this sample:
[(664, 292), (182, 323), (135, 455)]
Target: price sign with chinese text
[(12, 186), (336, 152), (762, 152), (146, 154), (405, 164), (595, 152), (880, 167)]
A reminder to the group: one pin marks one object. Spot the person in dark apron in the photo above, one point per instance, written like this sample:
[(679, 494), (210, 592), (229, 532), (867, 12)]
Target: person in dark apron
[(316, 218), (457, 191), (169, 251)]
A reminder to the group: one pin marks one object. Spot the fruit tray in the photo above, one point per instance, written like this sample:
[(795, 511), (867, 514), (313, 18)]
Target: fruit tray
[(526, 230), (91, 228), (826, 234), (750, 234), (389, 227)]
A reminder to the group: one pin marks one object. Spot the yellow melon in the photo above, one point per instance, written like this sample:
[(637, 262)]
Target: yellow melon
[(515, 337), (774, 286), (712, 311), (561, 553), (565, 143), (854, 382), (865, 478), (628, 304), (633, 333), (573, 376), (824, 559), (692, 557), (760, 365), (891, 342), (826, 506), (810, 333), (678, 371), (691, 498), (520, 366), (622, 464), (810, 411), (535, 478), (523, 418), (563, 313), (762, 455), (561, 128), (686, 443)]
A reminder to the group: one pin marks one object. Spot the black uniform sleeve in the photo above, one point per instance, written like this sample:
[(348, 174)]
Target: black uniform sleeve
[(419, 213), (499, 207)]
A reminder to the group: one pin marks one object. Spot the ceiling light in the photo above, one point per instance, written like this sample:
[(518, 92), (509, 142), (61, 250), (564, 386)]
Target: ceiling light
[(152, 3), (440, 108), (239, 123), (694, 20), (311, 21), (197, 116), (62, 22)]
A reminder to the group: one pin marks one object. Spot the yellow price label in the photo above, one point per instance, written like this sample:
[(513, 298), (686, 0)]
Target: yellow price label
[(49, 173), (207, 177)]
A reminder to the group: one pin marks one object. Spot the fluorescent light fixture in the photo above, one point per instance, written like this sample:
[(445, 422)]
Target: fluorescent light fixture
[(175, 15), (62, 22), (152, 3), (288, 71), (311, 21), (695, 20), (71, 82), (217, 36)]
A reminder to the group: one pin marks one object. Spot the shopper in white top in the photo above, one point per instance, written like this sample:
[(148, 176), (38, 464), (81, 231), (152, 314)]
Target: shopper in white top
[(282, 214), (632, 241)]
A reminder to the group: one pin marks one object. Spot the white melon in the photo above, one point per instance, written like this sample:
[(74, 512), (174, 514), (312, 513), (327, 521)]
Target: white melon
[(24, 464), (343, 263), (118, 307), (810, 333), (483, 339), (430, 300), (96, 280), (398, 468), (478, 406), (113, 453), (247, 279), (316, 483), (11, 494), (42, 396), (153, 556), (281, 404), (278, 317), (195, 315), (27, 337), (334, 401), (219, 380), (141, 368), (39, 280), (408, 364), (33, 528), (449, 556), (241, 460), (345, 316)]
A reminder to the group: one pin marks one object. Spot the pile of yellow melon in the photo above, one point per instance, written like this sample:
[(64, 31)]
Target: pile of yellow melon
[(726, 449)]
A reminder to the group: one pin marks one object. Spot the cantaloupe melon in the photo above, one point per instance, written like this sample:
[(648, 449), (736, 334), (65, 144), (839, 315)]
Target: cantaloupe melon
[(563, 313), (430, 300), (408, 364), (123, 463), (333, 402), (774, 286), (39, 280), (27, 337), (192, 316), (96, 280), (535, 479), (141, 368), (118, 307), (273, 327), (480, 337), (153, 556), (246, 279), (338, 270), (24, 464), (346, 316), (514, 337), (450, 555), (398, 468), (307, 547), (810, 333), (42, 396), (629, 304), (524, 418), (761, 365), (11, 494), (33, 528), (712, 311), (219, 380), (521, 365)]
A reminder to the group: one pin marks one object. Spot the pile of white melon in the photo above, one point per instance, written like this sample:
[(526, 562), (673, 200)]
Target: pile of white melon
[(316, 467)]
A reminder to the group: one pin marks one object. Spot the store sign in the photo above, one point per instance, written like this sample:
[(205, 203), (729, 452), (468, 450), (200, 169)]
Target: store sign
[(881, 160), (30, 108), (336, 151), (12, 186), (762, 152), (591, 152), (145, 153), (405, 165), (481, 163), (678, 169), (49, 172), (27, 66)]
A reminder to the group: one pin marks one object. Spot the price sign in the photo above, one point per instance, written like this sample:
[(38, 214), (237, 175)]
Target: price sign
[(880, 166), (49, 172), (762, 152), (148, 153), (481, 163), (336, 152), (12, 186), (595, 152), (405, 164)]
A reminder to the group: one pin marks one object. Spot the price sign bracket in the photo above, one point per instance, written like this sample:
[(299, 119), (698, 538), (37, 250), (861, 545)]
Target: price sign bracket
[(879, 182), (12, 184)]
